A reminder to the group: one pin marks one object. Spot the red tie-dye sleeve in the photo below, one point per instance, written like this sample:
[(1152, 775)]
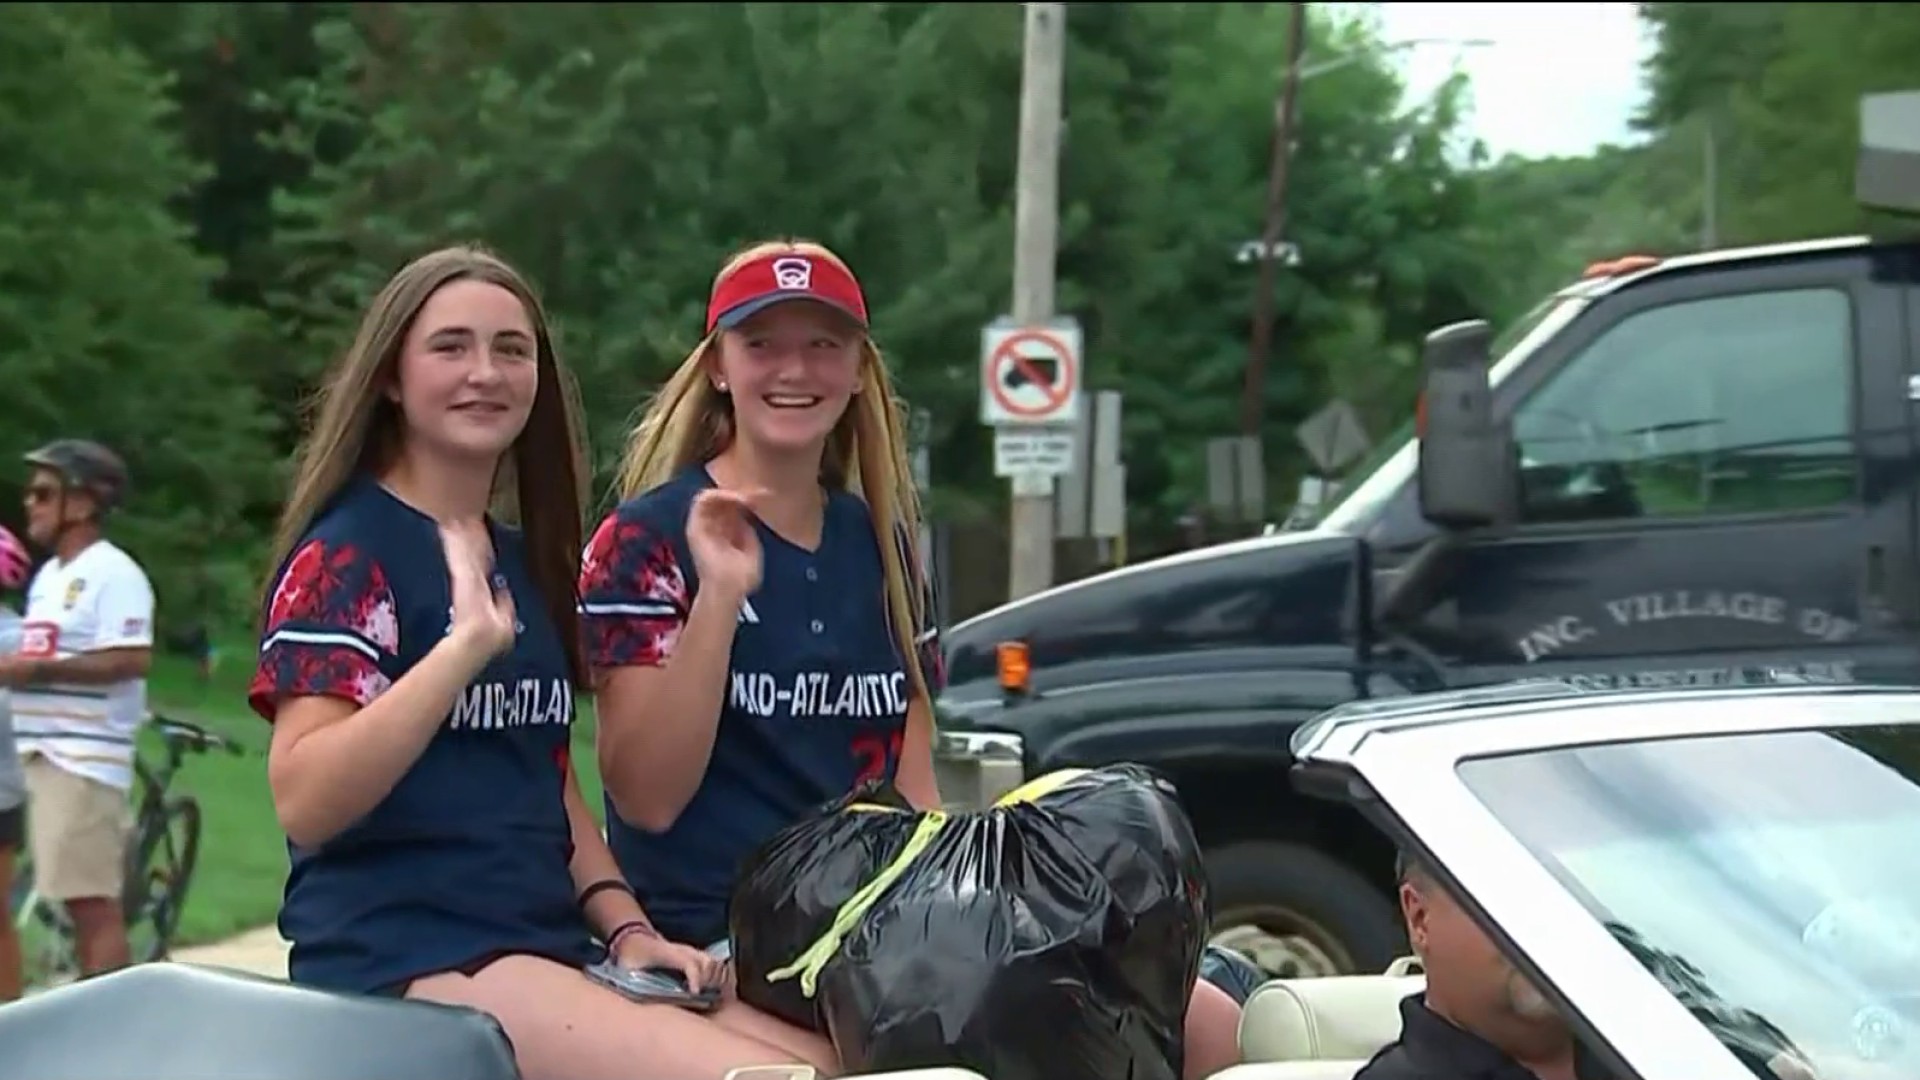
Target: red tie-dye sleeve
[(633, 595), (332, 629)]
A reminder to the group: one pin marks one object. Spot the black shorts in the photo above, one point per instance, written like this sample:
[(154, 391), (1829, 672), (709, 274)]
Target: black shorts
[(13, 828), (470, 968)]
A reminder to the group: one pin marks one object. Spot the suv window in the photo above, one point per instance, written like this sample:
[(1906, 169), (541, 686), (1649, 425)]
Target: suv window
[(1733, 404)]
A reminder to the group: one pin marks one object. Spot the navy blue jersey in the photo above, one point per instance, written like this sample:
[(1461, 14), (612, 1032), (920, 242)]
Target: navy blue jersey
[(816, 697), (468, 856)]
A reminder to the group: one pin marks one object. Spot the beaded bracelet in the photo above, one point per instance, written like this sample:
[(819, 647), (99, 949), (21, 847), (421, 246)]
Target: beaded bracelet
[(631, 926)]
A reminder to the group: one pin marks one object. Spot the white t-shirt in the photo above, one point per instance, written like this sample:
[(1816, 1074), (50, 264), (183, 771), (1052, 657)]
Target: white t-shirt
[(100, 600)]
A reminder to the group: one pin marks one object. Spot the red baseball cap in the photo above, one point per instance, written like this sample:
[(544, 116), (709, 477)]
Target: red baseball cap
[(780, 276)]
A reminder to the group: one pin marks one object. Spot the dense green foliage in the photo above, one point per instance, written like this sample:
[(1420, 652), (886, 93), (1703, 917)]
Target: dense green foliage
[(200, 196)]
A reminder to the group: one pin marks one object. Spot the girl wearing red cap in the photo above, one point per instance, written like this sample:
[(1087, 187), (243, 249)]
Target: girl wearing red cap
[(417, 661), (761, 633)]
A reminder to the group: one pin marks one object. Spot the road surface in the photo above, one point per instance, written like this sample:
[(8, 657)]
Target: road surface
[(261, 951)]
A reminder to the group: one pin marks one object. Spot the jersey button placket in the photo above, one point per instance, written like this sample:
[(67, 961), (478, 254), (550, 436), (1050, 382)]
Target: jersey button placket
[(813, 599)]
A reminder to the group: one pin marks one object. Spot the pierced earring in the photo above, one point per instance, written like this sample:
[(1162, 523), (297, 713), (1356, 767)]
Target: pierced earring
[(721, 386)]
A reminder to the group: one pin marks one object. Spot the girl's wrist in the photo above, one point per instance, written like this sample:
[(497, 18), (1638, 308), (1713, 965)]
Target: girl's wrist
[(723, 598), (466, 651), (627, 931)]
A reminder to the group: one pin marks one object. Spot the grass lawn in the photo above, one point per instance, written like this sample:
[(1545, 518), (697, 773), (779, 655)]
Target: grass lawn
[(243, 857)]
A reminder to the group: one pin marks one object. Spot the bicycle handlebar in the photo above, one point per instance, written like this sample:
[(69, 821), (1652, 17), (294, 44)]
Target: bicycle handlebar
[(193, 736)]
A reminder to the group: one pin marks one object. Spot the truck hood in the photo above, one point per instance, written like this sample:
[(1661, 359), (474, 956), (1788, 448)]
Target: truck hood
[(1018, 617), (1248, 597)]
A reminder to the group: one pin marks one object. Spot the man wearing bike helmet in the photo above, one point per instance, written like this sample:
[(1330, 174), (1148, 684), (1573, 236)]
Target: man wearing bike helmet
[(15, 567), (79, 691)]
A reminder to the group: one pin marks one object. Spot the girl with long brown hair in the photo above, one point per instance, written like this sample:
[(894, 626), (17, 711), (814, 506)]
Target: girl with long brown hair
[(759, 625), (418, 659)]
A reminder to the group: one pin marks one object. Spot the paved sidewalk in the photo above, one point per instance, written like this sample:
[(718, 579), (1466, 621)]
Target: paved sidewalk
[(261, 951)]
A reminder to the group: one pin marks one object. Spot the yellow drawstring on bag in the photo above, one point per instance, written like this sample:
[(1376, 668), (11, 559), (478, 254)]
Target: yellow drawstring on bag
[(1040, 786), (809, 964)]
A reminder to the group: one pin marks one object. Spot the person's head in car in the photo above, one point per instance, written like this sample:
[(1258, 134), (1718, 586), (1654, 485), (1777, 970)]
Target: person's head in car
[(1469, 981), (1473, 986)]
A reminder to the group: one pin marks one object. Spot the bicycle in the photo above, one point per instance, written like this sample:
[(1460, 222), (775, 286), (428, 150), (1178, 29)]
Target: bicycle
[(161, 855)]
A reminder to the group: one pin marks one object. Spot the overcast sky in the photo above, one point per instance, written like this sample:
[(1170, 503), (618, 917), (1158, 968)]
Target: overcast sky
[(1556, 79)]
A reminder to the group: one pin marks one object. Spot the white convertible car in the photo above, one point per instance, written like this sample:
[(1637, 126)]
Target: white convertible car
[(1708, 882), (1705, 880)]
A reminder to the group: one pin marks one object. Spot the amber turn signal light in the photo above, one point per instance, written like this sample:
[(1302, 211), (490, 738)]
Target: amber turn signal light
[(1011, 657)]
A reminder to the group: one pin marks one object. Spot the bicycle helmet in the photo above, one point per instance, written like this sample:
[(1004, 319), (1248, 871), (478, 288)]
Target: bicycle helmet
[(15, 564), (86, 466)]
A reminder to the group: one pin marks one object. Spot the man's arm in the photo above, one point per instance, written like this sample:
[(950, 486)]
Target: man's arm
[(123, 648), (89, 669)]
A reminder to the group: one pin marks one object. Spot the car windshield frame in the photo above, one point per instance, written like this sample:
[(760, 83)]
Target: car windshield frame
[(1408, 763)]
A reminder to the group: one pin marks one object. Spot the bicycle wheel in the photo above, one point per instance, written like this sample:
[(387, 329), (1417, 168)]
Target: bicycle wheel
[(46, 937), (49, 950), (170, 840), (22, 898)]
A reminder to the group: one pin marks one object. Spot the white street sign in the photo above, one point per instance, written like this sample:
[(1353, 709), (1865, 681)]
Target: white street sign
[(1028, 450), (1030, 375)]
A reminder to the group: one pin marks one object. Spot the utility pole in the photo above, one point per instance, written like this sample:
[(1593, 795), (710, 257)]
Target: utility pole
[(1709, 185), (1253, 394), (1036, 231)]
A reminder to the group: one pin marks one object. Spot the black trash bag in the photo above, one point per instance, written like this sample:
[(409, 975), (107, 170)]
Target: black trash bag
[(1054, 937), (1128, 821), (790, 888)]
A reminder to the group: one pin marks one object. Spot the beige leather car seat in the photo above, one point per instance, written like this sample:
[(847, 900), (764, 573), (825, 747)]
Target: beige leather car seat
[(806, 1072), (1321, 1029), (1291, 1029)]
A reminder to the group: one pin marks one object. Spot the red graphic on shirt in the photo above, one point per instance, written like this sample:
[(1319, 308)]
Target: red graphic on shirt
[(634, 595), (331, 616), (39, 640), (876, 755)]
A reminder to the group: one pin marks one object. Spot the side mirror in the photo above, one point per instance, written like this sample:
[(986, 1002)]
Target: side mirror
[(1468, 474), (1886, 173)]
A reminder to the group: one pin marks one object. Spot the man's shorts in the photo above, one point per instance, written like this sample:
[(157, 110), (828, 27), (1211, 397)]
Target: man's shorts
[(77, 830), (13, 828)]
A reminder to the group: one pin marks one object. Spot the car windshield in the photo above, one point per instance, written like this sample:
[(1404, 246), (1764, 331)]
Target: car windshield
[(1769, 880)]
